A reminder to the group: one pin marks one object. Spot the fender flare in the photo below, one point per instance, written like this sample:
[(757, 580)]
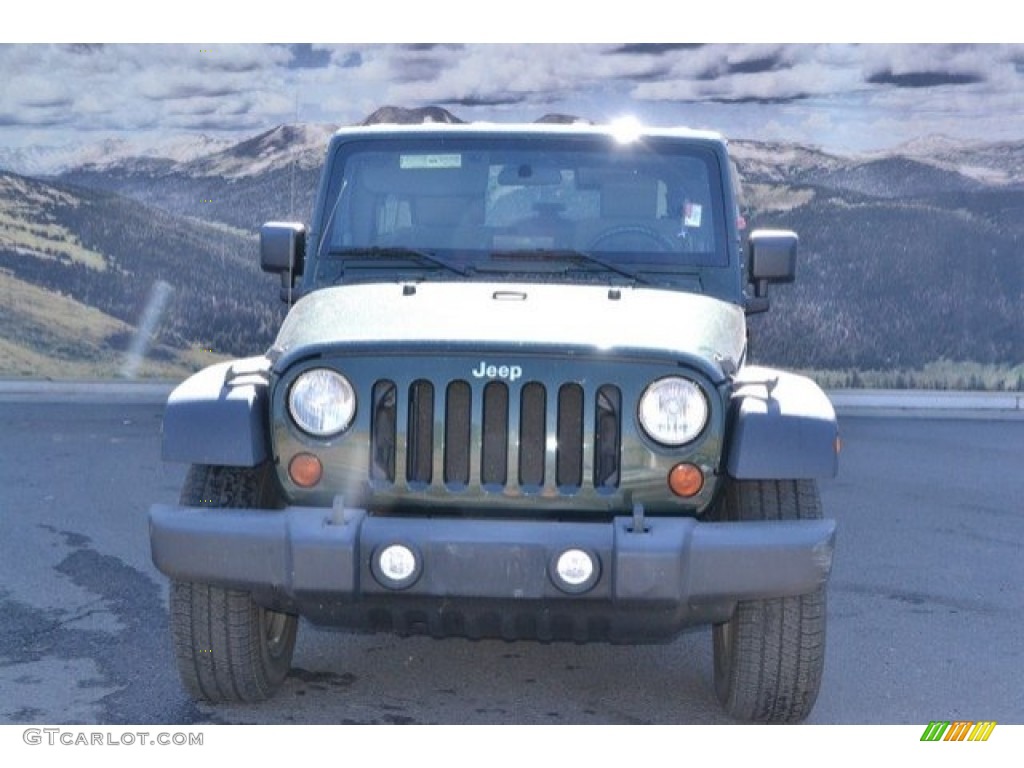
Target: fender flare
[(782, 426), (220, 416)]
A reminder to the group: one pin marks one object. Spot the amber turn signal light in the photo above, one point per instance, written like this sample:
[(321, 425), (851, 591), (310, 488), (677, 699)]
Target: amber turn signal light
[(305, 470), (685, 480)]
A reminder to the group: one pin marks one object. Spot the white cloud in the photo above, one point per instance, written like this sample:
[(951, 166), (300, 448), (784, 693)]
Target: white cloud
[(815, 91)]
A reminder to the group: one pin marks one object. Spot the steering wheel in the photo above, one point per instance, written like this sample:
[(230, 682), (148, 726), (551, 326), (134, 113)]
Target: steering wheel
[(636, 231)]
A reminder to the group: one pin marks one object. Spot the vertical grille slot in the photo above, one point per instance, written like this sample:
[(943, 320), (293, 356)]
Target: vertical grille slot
[(383, 425), (532, 438), (493, 435), (569, 454), (457, 423), (494, 447), (420, 453), (607, 437)]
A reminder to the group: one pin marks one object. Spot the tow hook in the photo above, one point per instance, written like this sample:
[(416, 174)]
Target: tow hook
[(639, 524)]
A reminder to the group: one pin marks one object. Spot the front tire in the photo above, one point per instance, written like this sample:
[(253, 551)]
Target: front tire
[(228, 648), (769, 656)]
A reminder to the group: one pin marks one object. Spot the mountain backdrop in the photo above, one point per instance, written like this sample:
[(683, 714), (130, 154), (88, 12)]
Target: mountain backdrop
[(908, 259)]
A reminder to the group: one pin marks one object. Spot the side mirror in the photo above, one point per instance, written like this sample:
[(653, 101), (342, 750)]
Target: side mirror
[(282, 247), (771, 258), (283, 251)]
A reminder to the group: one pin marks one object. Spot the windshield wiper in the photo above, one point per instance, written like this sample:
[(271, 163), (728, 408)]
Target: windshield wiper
[(544, 254), (398, 252)]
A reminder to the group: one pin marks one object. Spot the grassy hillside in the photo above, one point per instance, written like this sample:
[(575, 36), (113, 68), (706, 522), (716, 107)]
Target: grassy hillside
[(29, 228), (65, 250), (244, 202), (891, 285), (48, 335), (911, 270)]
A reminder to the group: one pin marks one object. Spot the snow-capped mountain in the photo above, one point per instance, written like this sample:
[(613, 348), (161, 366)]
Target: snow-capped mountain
[(302, 144), (773, 162), (403, 115), (107, 153), (906, 256), (988, 163)]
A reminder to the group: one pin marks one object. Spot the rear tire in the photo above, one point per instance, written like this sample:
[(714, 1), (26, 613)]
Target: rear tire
[(770, 655), (228, 648)]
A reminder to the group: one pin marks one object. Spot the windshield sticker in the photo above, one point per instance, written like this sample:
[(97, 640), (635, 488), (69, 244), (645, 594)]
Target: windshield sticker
[(430, 161), (691, 214), (523, 242)]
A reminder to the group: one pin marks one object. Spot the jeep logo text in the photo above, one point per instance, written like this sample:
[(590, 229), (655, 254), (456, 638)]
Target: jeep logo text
[(485, 371)]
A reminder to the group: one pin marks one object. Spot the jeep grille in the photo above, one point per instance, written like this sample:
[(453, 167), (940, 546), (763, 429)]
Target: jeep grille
[(516, 425)]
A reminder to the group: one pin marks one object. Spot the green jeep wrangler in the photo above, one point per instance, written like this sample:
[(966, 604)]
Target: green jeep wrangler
[(511, 399)]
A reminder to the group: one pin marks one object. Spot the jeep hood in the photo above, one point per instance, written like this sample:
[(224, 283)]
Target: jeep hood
[(462, 316)]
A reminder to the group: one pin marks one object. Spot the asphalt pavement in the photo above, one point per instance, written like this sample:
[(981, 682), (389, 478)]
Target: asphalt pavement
[(925, 606)]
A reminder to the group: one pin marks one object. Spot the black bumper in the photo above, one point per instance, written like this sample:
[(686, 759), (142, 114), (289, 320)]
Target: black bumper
[(493, 578)]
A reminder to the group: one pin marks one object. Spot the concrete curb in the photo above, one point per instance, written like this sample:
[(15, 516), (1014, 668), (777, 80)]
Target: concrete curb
[(932, 404), (38, 390)]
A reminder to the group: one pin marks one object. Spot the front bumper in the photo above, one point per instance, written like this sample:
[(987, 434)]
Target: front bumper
[(493, 578)]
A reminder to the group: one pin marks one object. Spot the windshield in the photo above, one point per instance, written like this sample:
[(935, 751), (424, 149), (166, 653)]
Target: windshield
[(462, 206)]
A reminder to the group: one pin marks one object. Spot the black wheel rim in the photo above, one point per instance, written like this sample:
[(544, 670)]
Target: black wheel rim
[(275, 631)]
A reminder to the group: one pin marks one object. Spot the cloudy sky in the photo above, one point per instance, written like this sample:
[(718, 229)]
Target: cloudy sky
[(843, 97)]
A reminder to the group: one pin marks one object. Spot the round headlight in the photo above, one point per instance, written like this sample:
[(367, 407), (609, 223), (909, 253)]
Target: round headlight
[(322, 402), (673, 411)]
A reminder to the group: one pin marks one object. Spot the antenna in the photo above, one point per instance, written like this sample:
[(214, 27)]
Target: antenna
[(291, 201)]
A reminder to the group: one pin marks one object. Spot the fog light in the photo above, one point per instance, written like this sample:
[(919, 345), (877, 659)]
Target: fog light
[(305, 470), (396, 566), (685, 480), (575, 570)]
